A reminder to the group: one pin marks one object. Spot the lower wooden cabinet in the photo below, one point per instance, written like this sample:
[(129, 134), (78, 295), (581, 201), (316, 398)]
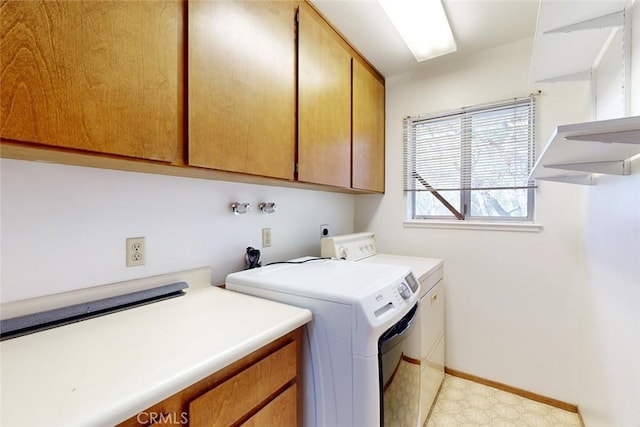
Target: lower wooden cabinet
[(260, 389)]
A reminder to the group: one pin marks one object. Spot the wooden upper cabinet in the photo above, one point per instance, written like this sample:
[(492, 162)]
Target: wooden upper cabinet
[(101, 76), (262, 93), (324, 103), (241, 86), (368, 130)]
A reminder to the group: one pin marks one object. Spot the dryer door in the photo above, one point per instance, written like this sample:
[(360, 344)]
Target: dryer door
[(399, 374)]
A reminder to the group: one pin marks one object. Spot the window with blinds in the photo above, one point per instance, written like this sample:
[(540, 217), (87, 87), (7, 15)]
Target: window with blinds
[(472, 163)]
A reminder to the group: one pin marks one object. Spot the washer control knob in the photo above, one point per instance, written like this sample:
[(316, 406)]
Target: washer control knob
[(404, 290), (342, 252)]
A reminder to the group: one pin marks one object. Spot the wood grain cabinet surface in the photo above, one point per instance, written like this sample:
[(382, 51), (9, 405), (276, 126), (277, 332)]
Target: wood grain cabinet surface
[(239, 395), (261, 389), (368, 130), (205, 87), (324, 103), (241, 86), (101, 76), (280, 412)]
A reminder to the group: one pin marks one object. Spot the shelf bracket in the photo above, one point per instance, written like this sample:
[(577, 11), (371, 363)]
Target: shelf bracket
[(615, 19), (570, 179), (615, 167), (623, 137)]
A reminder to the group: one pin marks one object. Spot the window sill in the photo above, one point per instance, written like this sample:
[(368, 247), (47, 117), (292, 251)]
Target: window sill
[(528, 227)]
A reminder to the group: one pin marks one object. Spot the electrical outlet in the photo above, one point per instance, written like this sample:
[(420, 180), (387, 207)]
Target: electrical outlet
[(324, 230), (266, 237), (135, 251)]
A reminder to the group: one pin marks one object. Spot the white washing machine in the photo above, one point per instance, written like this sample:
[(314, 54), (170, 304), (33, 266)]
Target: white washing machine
[(363, 315), (430, 347)]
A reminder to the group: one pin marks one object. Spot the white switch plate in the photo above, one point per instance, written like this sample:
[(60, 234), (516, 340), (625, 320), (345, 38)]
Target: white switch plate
[(266, 237)]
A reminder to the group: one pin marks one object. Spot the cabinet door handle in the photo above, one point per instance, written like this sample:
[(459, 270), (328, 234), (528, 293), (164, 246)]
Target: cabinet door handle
[(434, 298)]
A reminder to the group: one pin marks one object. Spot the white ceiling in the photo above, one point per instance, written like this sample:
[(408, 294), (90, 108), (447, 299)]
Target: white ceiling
[(476, 25)]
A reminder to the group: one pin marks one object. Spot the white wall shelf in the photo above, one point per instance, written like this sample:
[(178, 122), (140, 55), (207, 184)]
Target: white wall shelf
[(570, 37), (575, 152)]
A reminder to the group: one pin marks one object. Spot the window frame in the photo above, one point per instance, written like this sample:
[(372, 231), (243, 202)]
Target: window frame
[(465, 173)]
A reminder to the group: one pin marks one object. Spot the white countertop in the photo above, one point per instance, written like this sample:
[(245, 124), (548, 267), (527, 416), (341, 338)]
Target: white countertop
[(104, 370)]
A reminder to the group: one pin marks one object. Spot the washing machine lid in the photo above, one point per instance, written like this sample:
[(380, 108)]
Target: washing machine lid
[(346, 282)]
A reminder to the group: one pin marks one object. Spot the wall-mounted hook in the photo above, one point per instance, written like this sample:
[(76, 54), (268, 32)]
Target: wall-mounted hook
[(268, 207), (238, 208)]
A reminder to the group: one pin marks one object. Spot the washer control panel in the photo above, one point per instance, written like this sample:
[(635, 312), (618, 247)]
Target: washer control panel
[(404, 290), (392, 297), (351, 247)]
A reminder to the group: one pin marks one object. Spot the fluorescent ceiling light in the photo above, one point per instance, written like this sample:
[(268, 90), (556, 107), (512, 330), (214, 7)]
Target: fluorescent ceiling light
[(423, 26)]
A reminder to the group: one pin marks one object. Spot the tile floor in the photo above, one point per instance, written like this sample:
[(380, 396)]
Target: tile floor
[(465, 403)]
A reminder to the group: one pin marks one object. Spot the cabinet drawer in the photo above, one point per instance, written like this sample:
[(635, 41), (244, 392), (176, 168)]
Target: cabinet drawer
[(240, 394), (432, 318), (280, 412)]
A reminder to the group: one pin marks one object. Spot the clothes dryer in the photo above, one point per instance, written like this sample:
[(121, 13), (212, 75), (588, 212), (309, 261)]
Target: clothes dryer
[(427, 350), (363, 318)]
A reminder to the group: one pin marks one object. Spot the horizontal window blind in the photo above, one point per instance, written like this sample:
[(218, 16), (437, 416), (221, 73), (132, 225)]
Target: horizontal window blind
[(489, 147)]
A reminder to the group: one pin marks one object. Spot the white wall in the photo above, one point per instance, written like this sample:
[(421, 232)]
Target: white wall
[(610, 321), (635, 61), (610, 297), (512, 297), (608, 81), (64, 227)]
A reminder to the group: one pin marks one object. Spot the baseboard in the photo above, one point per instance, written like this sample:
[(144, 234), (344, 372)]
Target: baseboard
[(520, 392), (410, 360), (580, 417)]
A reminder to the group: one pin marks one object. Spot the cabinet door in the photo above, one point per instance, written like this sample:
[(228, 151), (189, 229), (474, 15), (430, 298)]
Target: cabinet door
[(324, 103), (241, 86), (92, 75), (368, 130)]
